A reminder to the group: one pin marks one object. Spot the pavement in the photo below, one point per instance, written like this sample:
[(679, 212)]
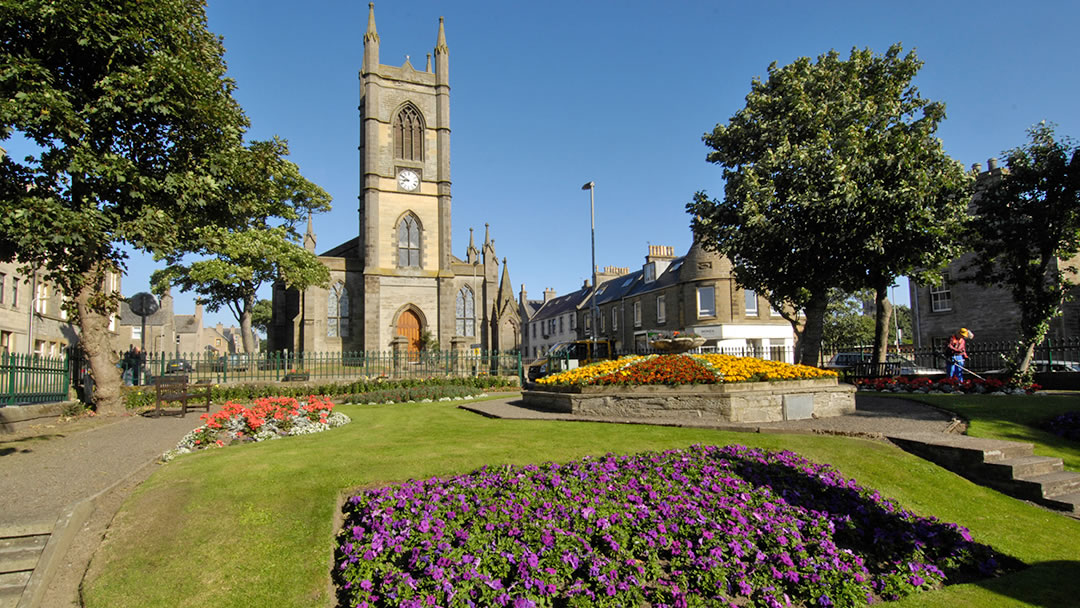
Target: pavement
[(874, 417)]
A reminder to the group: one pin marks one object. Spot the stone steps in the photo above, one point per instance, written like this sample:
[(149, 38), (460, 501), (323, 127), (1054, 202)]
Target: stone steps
[(21, 547), (1007, 466)]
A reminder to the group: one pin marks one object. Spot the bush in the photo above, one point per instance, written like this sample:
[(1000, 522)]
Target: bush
[(136, 397)]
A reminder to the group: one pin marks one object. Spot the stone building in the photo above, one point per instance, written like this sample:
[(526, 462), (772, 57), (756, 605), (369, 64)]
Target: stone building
[(693, 293), (32, 315), (989, 312), (398, 281), (167, 332)]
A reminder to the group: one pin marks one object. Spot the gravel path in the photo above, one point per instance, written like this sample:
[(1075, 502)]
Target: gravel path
[(53, 466)]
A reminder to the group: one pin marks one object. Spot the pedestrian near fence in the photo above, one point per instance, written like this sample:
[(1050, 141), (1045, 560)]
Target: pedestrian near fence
[(956, 353)]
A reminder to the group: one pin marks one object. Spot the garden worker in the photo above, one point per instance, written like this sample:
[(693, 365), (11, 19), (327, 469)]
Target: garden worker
[(956, 353)]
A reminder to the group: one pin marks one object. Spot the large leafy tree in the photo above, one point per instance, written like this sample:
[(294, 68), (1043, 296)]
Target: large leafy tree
[(237, 263), (131, 116), (1026, 232), (834, 179), (848, 325)]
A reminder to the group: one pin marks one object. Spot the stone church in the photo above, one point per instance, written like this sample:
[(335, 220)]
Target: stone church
[(398, 280)]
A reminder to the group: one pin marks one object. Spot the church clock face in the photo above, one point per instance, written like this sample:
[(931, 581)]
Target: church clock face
[(408, 180)]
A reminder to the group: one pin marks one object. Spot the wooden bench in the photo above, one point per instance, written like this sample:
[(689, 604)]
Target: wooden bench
[(178, 388)]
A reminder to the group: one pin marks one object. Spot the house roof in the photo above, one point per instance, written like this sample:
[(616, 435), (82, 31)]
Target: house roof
[(669, 277), (562, 304)]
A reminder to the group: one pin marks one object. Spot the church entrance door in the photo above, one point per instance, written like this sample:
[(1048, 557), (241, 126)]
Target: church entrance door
[(408, 325)]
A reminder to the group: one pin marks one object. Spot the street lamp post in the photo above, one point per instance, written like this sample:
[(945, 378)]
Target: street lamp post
[(591, 187)]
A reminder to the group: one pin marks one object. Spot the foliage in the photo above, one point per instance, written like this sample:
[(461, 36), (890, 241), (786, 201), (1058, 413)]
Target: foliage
[(922, 384), (1065, 425), (237, 262), (133, 120), (834, 179), (265, 419), (1026, 230), (682, 369), (262, 315), (424, 393), (693, 527), (846, 325), (143, 396)]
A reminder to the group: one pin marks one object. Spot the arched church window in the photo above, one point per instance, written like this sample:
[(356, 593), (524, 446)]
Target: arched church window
[(337, 312), (408, 242), (466, 312), (409, 134)]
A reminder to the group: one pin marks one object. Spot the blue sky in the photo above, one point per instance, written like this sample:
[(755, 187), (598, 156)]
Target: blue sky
[(546, 96)]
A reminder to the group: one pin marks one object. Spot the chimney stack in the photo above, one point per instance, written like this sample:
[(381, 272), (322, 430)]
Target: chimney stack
[(549, 294)]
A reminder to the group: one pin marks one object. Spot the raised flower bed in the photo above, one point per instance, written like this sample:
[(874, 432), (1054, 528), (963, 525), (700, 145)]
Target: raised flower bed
[(706, 526), (711, 386), (265, 419)]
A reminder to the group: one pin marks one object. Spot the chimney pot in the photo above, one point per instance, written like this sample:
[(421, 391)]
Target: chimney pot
[(976, 167), (991, 164)]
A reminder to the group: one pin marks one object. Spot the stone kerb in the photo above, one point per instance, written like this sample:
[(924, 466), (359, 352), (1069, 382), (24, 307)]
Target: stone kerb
[(736, 402)]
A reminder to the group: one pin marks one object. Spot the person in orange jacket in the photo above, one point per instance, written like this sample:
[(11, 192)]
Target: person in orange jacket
[(956, 353)]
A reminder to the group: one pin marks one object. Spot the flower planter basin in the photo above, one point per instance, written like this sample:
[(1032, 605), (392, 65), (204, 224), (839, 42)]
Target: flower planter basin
[(733, 402), (677, 345), (296, 377)]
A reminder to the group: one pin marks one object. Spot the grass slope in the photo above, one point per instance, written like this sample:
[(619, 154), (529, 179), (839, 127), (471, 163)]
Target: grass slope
[(254, 525)]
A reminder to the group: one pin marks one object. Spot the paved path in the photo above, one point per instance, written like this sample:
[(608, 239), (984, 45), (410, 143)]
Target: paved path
[(874, 416), (42, 474)]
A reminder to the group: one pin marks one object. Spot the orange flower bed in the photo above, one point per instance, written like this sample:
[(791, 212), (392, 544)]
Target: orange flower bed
[(684, 369)]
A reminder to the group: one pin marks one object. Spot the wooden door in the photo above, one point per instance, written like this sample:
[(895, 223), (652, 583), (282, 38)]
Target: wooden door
[(408, 325)]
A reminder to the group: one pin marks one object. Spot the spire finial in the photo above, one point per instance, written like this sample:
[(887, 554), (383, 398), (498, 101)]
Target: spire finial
[(371, 35), (440, 42)]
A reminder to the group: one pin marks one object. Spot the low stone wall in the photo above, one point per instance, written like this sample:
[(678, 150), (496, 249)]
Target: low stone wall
[(735, 402), (17, 417)]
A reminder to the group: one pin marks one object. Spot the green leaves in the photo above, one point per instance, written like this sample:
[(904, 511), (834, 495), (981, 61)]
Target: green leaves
[(1026, 230), (833, 180)]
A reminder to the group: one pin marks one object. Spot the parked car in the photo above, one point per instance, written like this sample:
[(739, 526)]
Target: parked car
[(1042, 365), (178, 366), (844, 361), (235, 361)]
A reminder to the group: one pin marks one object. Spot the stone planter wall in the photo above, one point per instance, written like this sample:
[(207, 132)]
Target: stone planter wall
[(736, 402)]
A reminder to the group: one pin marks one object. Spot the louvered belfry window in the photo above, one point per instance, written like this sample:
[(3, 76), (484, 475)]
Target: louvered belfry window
[(409, 242), (409, 134)]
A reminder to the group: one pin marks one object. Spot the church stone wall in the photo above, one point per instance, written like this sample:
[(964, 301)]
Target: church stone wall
[(398, 292)]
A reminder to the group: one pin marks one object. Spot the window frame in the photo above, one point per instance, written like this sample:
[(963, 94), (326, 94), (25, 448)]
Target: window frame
[(750, 296), (941, 297), (709, 312), (661, 309), (407, 226)]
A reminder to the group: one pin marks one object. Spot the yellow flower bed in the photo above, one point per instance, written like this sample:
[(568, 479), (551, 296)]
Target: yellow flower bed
[(737, 369), (584, 374), (730, 368)]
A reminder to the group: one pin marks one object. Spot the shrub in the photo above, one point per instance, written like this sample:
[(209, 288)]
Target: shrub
[(1066, 425)]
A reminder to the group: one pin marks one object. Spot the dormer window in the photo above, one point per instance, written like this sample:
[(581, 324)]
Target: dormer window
[(650, 272)]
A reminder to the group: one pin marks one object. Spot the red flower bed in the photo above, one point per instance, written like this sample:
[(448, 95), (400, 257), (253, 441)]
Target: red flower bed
[(662, 370)]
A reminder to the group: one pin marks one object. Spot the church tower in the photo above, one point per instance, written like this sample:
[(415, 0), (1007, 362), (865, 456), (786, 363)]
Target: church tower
[(398, 282), (405, 194)]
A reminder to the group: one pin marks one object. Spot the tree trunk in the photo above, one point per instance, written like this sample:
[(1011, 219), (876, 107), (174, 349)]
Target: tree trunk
[(245, 325), (810, 345), (97, 343), (883, 314)]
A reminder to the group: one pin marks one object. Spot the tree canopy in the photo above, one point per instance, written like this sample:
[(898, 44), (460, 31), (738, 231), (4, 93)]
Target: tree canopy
[(1026, 232), (237, 262), (834, 179), (133, 120)]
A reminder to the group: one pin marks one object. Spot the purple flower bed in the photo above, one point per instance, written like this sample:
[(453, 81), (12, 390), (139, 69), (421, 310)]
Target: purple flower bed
[(1066, 425), (705, 526)]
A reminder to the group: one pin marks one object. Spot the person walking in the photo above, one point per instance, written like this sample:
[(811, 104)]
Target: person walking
[(956, 353)]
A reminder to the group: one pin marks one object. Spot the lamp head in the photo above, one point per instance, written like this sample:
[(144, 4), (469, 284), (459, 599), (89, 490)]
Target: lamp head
[(589, 186)]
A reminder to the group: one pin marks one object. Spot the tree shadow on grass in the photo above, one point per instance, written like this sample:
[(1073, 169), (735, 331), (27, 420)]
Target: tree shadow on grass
[(867, 523), (1046, 584)]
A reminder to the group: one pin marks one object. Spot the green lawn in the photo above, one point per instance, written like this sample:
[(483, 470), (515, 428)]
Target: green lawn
[(254, 525), (1014, 418)]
